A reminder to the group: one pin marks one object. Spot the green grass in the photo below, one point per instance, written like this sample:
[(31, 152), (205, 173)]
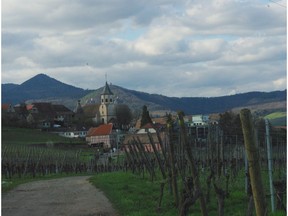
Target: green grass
[(32, 136), (133, 195), (276, 115)]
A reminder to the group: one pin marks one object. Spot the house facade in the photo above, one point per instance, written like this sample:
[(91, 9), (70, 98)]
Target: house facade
[(7, 108), (102, 136), (149, 127), (46, 115), (142, 136), (198, 126)]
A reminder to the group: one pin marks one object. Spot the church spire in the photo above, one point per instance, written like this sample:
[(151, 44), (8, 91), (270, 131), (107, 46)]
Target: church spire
[(78, 109), (107, 90)]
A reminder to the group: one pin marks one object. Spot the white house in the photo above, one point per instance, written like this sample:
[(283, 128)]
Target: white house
[(73, 134), (198, 126)]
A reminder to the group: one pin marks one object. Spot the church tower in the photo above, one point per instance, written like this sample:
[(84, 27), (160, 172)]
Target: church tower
[(107, 107)]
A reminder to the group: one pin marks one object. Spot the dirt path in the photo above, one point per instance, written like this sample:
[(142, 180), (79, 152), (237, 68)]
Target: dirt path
[(73, 196)]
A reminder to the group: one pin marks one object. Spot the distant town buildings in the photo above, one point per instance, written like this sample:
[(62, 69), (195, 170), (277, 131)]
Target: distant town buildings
[(102, 130), (198, 125)]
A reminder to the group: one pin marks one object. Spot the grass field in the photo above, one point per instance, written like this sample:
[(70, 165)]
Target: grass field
[(20, 143), (133, 195), (276, 115), (277, 118), (32, 136)]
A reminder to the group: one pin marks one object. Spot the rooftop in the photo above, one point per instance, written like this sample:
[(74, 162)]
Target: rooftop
[(107, 90), (102, 130)]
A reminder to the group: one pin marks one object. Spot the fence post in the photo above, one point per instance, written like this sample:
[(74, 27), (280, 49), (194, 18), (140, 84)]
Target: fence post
[(246, 172), (253, 159), (173, 179), (269, 151), (194, 170)]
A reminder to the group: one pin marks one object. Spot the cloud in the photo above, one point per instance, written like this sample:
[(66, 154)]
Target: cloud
[(188, 48)]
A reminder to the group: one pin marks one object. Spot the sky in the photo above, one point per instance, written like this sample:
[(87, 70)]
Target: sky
[(183, 48)]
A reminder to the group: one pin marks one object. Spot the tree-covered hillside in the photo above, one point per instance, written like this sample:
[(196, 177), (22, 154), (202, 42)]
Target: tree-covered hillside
[(190, 105)]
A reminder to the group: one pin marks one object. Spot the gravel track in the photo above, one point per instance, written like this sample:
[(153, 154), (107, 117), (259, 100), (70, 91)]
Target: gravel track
[(73, 196)]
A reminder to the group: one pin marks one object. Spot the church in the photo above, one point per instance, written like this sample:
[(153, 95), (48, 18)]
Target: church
[(101, 113), (107, 107)]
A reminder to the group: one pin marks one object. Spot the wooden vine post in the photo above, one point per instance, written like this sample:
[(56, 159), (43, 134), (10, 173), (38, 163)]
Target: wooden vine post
[(172, 163), (253, 159), (160, 165), (193, 166)]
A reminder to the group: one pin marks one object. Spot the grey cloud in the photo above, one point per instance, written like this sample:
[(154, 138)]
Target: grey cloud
[(183, 49)]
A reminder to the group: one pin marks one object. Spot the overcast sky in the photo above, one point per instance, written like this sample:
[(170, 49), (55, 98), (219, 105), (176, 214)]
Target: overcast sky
[(175, 48)]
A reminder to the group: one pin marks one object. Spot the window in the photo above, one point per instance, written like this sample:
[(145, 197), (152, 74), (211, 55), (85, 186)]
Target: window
[(106, 100), (111, 100)]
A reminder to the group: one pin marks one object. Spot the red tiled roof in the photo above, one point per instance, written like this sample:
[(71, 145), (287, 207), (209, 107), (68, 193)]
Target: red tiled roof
[(105, 129), (5, 106), (160, 120), (281, 127), (144, 138), (148, 125), (29, 106)]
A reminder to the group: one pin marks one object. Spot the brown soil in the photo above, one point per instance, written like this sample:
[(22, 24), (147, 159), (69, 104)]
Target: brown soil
[(73, 196)]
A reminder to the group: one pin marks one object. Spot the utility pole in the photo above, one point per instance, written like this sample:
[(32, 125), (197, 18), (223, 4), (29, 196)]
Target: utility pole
[(269, 151)]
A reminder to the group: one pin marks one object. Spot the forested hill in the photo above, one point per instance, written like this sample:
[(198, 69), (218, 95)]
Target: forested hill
[(190, 105), (40, 87), (44, 88)]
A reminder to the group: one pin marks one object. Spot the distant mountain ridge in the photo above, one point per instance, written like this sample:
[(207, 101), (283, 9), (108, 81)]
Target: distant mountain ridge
[(39, 87), (44, 88), (191, 105)]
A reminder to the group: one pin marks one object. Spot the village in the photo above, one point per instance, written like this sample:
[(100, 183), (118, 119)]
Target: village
[(103, 130)]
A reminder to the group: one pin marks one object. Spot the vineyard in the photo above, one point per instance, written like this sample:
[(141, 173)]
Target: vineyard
[(197, 173), (31, 161), (201, 171)]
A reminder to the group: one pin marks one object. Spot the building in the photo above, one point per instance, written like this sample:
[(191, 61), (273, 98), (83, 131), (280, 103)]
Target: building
[(144, 140), (142, 137), (78, 112), (102, 136), (46, 115), (99, 111), (198, 126), (149, 127), (107, 107), (7, 108), (73, 134)]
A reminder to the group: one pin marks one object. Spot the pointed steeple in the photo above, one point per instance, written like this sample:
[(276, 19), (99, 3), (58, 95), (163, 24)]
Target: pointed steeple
[(107, 107), (107, 90), (78, 109)]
